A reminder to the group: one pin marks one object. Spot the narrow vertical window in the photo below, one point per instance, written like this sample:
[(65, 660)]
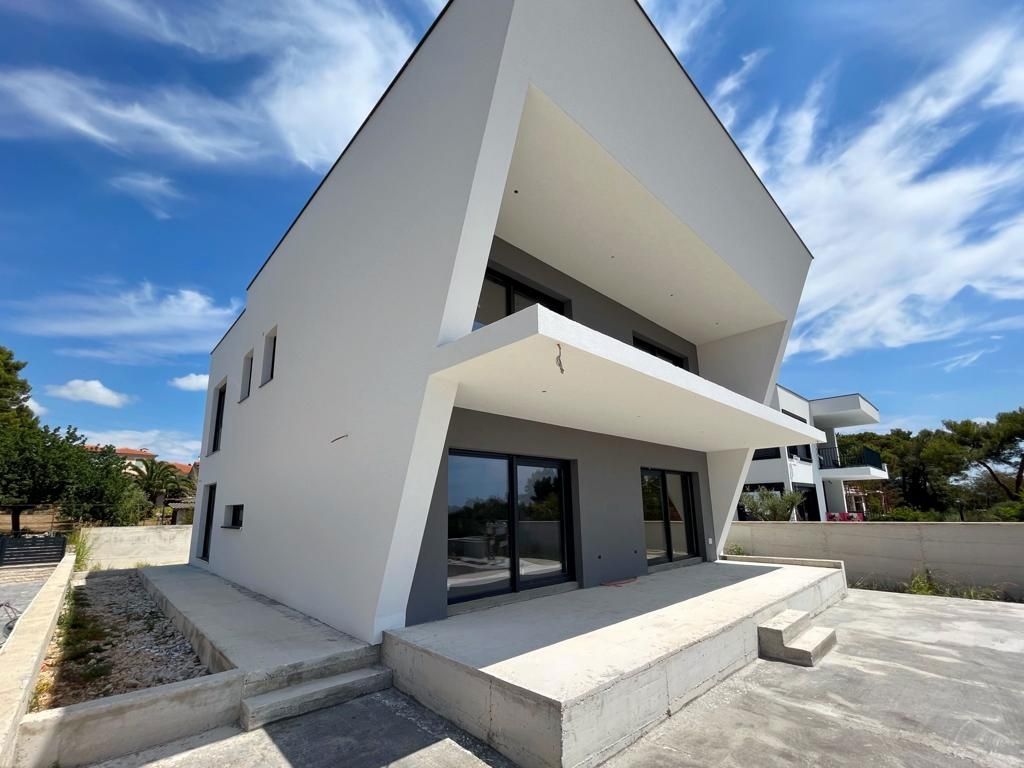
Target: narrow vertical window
[(211, 499), (246, 376), (269, 356), (218, 418)]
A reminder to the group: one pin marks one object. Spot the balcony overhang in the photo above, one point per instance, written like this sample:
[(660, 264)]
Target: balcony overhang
[(854, 473), (843, 411), (540, 366)]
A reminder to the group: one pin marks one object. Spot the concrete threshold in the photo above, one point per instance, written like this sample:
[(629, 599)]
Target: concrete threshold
[(570, 679)]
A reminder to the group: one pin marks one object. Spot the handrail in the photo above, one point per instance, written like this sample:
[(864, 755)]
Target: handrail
[(830, 457)]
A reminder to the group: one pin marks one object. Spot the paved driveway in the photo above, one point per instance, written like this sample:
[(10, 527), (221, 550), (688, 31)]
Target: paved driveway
[(18, 586), (915, 681)]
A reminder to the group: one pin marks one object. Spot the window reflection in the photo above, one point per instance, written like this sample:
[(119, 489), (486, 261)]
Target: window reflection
[(539, 503), (478, 543)]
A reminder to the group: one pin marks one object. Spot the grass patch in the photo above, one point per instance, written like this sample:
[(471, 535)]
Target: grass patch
[(81, 634), (79, 542), (43, 687), (924, 582), (735, 549), (96, 671)]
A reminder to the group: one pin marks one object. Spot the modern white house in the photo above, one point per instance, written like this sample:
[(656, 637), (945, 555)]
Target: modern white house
[(523, 337), (821, 472)]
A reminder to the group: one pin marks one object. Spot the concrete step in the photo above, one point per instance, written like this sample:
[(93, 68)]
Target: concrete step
[(776, 640), (306, 670), (306, 697), (808, 649), (783, 628)]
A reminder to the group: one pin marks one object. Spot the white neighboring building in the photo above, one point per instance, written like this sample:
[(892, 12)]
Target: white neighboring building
[(525, 333), (819, 471)]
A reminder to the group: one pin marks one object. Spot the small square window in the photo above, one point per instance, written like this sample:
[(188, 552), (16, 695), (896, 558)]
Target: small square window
[(233, 515), (269, 355)]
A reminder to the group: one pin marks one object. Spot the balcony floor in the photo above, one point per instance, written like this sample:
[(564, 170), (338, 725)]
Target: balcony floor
[(540, 366)]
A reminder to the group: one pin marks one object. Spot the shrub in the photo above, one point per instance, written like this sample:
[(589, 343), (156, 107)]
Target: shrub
[(771, 505)]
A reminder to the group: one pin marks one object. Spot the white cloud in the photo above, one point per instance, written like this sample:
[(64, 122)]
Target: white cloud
[(191, 382), (138, 324), (166, 120), (89, 391), (323, 67), (891, 213), (680, 21), (153, 191), (169, 445), (728, 87), (966, 360), (36, 407)]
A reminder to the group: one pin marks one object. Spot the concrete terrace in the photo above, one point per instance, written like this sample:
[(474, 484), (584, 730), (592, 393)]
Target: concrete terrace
[(915, 681), (568, 679), (232, 627)]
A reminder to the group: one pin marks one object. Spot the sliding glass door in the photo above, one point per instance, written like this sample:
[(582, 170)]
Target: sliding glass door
[(670, 517), (508, 524)]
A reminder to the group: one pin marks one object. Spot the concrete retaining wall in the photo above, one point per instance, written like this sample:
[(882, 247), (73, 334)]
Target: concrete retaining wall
[(23, 653), (129, 546), (118, 725), (982, 554)]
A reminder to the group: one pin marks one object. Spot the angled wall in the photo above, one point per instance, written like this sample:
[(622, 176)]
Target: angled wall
[(330, 456)]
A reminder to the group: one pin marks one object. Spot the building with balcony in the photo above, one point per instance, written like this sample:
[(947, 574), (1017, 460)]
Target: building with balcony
[(821, 472), (523, 337)]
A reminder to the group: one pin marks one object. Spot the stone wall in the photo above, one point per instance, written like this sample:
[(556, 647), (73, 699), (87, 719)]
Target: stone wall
[(130, 546), (980, 554)]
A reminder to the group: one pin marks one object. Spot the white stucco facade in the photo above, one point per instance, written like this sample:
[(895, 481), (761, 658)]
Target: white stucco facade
[(570, 131)]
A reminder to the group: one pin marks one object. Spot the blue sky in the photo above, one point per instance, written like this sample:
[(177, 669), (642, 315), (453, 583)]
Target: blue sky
[(152, 155)]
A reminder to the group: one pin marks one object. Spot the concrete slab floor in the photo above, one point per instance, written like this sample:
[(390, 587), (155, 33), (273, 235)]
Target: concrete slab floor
[(253, 631), (915, 681), (382, 729), (608, 631)]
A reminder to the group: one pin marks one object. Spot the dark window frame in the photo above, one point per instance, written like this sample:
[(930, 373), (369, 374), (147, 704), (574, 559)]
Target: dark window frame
[(565, 466), (209, 507), (233, 515), (247, 362), (799, 452), (764, 454), (513, 286), (220, 405), (269, 363), (661, 352), (695, 528)]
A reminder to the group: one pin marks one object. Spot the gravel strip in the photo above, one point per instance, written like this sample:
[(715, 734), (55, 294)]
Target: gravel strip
[(112, 638)]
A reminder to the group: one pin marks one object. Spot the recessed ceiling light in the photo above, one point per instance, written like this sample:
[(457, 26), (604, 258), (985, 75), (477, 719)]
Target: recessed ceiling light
[(515, 191)]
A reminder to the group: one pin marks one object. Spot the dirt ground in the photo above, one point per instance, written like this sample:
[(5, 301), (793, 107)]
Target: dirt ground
[(111, 638)]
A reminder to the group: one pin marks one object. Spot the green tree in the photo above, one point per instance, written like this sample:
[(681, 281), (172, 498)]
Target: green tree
[(997, 447), (766, 504), (158, 480), (14, 392), (921, 465)]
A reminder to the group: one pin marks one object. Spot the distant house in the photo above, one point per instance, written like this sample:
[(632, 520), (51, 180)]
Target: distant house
[(820, 472), (133, 456), (188, 470)]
